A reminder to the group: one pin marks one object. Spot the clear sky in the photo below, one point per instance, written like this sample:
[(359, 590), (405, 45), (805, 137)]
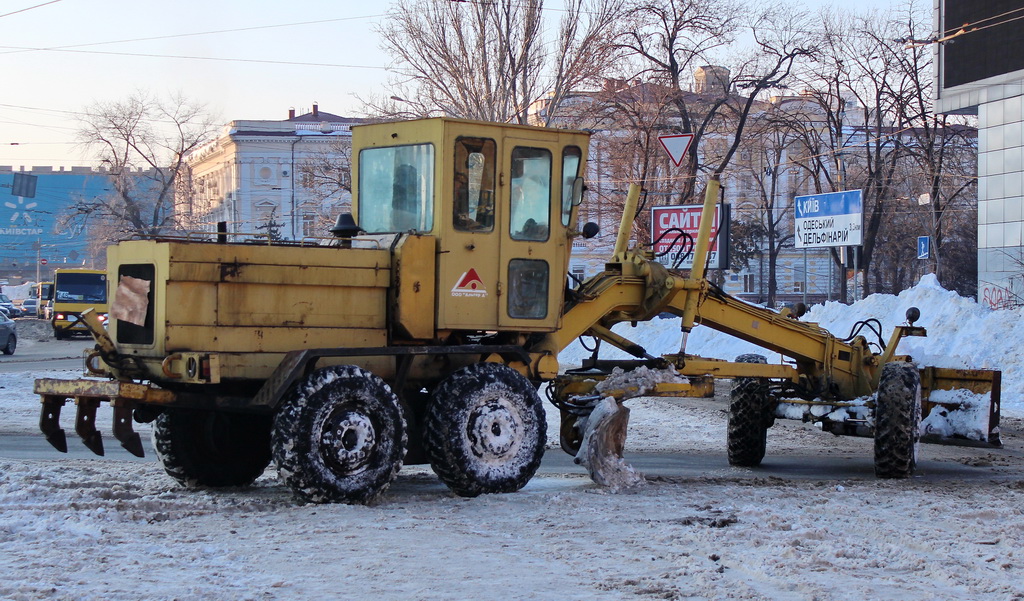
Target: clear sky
[(245, 59)]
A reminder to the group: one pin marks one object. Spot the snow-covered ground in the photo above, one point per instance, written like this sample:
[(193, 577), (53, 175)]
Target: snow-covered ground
[(109, 529)]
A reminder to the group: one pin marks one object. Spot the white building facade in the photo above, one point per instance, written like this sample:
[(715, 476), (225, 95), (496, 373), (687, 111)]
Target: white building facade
[(255, 177)]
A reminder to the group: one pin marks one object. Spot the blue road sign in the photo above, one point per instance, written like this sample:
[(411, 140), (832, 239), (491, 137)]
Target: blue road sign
[(923, 244), (828, 220)]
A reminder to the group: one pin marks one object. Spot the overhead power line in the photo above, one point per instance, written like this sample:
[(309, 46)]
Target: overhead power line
[(193, 34), (29, 8), (202, 58)]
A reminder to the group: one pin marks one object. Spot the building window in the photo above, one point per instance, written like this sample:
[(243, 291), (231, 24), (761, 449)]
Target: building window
[(748, 282)]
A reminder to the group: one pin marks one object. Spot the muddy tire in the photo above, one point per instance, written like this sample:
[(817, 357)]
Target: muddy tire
[(485, 430), (212, 448), (749, 417), (12, 344), (339, 437), (897, 420)]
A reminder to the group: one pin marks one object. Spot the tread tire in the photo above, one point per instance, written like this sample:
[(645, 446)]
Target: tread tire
[(339, 436), (484, 430), (212, 448), (897, 420), (749, 417), (12, 344)]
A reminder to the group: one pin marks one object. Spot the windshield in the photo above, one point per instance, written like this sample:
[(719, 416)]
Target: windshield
[(81, 287), (396, 188)]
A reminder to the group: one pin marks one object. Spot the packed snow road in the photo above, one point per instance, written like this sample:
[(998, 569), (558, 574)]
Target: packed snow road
[(812, 523), (109, 529)]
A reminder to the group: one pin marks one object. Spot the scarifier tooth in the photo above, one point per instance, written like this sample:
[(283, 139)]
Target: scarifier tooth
[(85, 424), (123, 431), (49, 423)]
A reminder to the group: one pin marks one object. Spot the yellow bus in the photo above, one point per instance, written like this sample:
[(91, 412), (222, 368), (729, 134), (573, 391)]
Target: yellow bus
[(74, 291)]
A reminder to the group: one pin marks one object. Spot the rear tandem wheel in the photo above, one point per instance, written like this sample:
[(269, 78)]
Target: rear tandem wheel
[(339, 436), (484, 430), (212, 448)]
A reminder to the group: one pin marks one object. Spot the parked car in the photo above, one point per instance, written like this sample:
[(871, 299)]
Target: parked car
[(9, 307), (8, 335)]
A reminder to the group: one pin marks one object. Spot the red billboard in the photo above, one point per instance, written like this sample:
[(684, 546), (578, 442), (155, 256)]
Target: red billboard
[(674, 233)]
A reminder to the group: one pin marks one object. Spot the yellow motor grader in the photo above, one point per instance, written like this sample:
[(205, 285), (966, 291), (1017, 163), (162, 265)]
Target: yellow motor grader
[(423, 333)]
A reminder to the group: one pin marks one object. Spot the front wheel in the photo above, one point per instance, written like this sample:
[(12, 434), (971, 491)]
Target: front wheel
[(485, 430), (212, 448), (12, 344), (339, 436), (749, 417), (897, 420)]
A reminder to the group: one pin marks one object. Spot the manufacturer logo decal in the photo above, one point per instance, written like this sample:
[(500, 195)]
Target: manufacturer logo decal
[(469, 284)]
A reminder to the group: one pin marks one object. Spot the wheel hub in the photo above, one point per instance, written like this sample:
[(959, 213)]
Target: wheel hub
[(493, 429), (347, 440)]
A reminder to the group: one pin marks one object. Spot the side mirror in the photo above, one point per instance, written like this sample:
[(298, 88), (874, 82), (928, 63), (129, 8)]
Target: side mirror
[(590, 229), (578, 188)]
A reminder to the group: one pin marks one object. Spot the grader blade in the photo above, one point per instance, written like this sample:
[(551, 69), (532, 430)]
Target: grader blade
[(960, 406), (604, 440)]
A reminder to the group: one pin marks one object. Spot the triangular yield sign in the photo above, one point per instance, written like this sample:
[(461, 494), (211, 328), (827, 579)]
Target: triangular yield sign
[(676, 146)]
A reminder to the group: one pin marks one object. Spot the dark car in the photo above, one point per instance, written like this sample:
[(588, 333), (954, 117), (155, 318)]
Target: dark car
[(8, 334), (8, 306)]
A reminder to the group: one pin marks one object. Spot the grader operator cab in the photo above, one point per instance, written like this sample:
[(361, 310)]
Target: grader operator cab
[(423, 333)]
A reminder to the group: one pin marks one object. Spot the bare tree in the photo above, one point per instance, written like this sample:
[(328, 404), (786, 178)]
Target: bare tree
[(665, 41), (489, 60), (326, 174), (142, 142)]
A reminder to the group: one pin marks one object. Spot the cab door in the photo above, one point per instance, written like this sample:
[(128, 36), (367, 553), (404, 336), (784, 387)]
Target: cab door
[(532, 240), (468, 275)]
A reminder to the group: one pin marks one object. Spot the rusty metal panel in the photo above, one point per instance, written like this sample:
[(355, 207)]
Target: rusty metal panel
[(249, 339), (415, 295), (267, 305), (105, 389), (376, 275), (189, 303), (296, 256)]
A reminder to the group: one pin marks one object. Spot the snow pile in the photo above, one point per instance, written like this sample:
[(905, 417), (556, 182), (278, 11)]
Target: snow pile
[(961, 334), (637, 382), (970, 419), (604, 440), (19, 292)]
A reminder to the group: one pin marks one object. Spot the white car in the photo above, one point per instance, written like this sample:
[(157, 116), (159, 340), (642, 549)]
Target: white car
[(30, 307)]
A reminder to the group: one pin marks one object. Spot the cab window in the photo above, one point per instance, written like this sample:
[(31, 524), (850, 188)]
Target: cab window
[(475, 165), (571, 158), (528, 289), (531, 194), (396, 188)]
